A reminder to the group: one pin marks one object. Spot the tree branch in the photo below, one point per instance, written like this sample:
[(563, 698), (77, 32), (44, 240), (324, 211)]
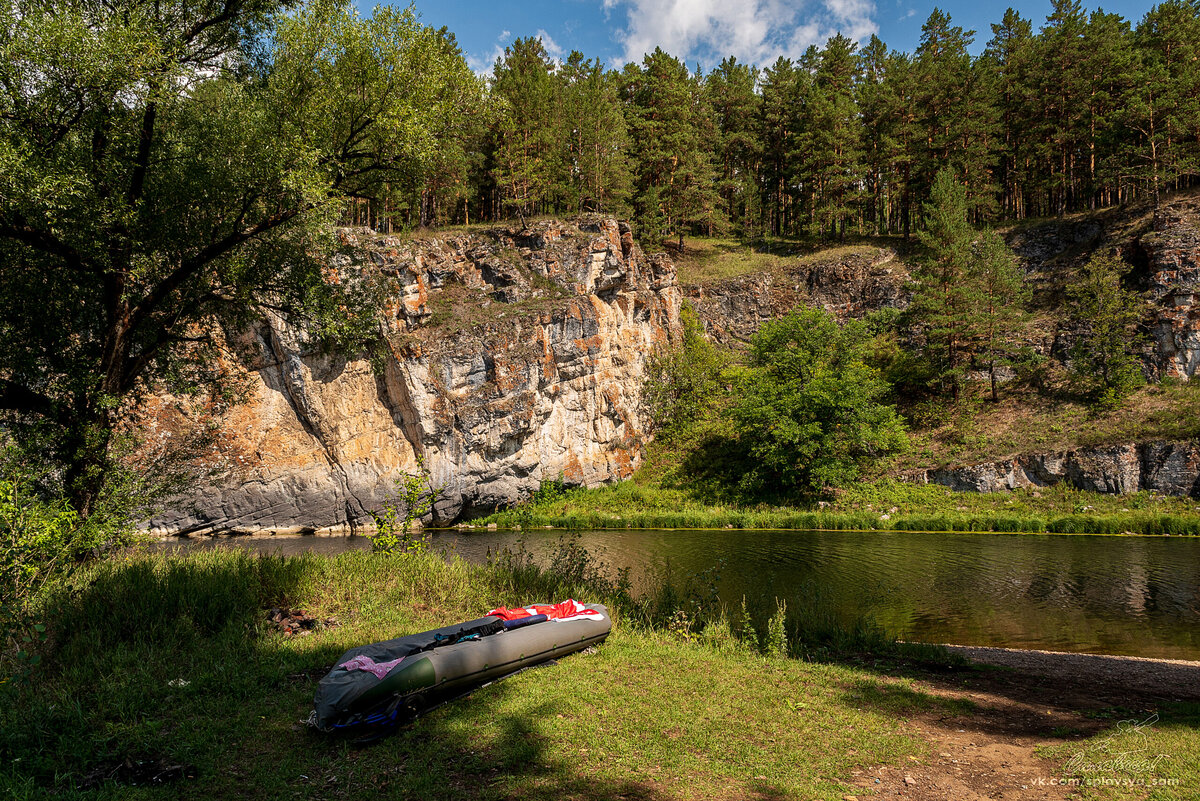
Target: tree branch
[(23, 399), (44, 241)]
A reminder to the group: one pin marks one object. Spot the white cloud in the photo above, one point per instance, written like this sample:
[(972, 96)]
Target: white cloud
[(553, 49), (755, 31), (483, 65)]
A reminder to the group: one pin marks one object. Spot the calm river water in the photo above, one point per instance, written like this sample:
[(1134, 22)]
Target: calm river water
[(1116, 595)]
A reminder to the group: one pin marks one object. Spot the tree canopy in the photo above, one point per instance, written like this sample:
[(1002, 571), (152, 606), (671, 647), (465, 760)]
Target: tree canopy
[(812, 411), (169, 167)]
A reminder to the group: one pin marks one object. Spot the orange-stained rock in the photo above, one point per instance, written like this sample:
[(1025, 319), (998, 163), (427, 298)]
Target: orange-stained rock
[(511, 356)]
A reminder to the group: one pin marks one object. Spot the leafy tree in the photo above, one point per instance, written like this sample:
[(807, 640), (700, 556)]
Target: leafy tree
[(1104, 357), (172, 168), (682, 381), (812, 412)]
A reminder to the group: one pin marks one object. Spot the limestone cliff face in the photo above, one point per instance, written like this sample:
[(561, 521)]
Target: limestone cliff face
[(1170, 468), (510, 357)]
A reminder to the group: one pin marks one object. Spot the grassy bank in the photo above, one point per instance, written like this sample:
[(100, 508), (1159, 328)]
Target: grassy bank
[(884, 506), (166, 666), (163, 679)]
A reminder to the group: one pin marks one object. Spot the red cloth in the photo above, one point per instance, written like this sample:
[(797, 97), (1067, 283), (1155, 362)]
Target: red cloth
[(569, 609)]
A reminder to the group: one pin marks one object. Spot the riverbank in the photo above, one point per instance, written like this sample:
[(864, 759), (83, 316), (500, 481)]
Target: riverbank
[(164, 678), (879, 506)]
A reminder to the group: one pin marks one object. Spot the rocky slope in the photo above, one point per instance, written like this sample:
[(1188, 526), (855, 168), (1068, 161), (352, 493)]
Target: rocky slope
[(1172, 253), (511, 357), (849, 286), (1169, 468)]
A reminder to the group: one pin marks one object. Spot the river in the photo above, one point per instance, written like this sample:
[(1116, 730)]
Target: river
[(1137, 596)]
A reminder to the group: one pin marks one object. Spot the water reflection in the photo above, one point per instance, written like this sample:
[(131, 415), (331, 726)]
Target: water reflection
[(1135, 595)]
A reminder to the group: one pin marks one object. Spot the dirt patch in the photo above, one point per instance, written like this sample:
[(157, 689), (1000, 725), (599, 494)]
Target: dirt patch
[(137, 772), (1024, 701)]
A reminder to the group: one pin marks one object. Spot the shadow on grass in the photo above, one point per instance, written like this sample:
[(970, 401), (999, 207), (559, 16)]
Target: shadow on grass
[(164, 680)]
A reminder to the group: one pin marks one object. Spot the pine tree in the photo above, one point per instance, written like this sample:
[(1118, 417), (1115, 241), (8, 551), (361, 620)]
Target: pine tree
[(879, 111), (956, 114), (729, 91), (1064, 89), (777, 126), (1165, 107), (943, 299), (1010, 58), (834, 131), (674, 170), (1104, 358), (595, 138), (526, 129), (1000, 293)]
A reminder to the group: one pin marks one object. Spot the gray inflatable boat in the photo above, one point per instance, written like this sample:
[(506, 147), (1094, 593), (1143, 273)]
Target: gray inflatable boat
[(379, 685)]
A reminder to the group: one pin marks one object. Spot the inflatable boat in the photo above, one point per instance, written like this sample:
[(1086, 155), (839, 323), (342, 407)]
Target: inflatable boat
[(376, 686)]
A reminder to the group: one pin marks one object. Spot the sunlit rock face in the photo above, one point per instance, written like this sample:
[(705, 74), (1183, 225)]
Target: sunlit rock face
[(509, 357)]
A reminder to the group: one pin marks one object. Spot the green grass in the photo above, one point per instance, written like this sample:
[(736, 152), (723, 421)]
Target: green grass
[(1024, 422), (167, 661), (1149, 754), (709, 259), (652, 501)]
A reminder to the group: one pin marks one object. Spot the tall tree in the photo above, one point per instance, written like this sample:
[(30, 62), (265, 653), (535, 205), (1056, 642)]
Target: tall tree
[(1105, 315), (594, 135), (674, 168), (999, 293), (834, 130), (169, 167), (1010, 57), (730, 94), (527, 128), (777, 125), (944, 300)]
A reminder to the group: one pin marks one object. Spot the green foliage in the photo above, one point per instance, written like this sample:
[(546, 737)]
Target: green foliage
[(43, 540), (684, 380), (170, 172), (775, 641), (398, 524), (1104, 357), (969, 293), (811, 412)]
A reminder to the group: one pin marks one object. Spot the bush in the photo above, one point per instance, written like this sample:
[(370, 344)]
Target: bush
[(811, 411), (683, 380)]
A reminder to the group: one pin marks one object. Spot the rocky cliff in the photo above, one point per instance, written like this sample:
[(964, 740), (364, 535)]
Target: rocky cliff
[(1172, 252), (847, 284), (510, 357)]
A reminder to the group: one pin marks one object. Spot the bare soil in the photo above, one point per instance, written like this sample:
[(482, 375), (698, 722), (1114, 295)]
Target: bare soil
[(1024, 700)]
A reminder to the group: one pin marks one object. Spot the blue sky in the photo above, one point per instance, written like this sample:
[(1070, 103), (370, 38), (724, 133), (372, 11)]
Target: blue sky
[(704, 31)]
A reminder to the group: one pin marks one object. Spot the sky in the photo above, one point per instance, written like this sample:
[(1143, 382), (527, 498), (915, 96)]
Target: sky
[(705, 31)]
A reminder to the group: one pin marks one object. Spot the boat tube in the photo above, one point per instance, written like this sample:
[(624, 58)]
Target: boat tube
[(378, 685)]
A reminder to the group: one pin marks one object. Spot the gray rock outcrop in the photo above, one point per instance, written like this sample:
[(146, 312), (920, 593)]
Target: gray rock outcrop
[(1169, 468)]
